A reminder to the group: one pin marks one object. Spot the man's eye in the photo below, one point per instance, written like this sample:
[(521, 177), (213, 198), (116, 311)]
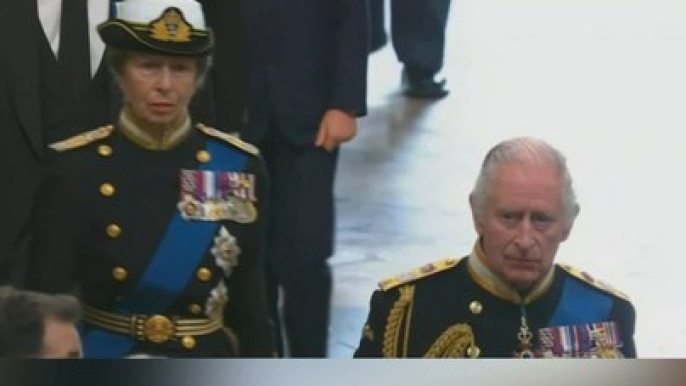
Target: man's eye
[(509, 217), (543, 219), (542, 222)]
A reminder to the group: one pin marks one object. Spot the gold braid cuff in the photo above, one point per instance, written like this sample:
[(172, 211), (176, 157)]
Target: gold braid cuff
[(394, 322), (453, 343)]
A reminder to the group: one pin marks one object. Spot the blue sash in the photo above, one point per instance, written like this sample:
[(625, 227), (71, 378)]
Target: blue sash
[(183, 246), (580, 304)]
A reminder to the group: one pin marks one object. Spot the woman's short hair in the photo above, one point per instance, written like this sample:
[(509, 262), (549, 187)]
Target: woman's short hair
[(116, 59)]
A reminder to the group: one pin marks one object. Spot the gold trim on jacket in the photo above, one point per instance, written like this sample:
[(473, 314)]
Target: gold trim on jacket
[(487, 280)]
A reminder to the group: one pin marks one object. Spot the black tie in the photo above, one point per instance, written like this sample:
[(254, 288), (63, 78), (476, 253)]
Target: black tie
[(74, 51)]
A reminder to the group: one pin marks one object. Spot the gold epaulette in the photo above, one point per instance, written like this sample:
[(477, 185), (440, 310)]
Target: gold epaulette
[(83, 139), (418, 273), (230, 138), (585, 277)]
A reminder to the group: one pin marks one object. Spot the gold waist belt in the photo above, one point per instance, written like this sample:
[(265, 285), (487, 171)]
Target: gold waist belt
[(153, 328)]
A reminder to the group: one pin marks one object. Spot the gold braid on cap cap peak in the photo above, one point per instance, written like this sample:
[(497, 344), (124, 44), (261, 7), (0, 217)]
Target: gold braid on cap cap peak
[(170, 33), (171, 26)]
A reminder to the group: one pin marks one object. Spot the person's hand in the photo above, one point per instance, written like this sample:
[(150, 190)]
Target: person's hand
[(336, 127)]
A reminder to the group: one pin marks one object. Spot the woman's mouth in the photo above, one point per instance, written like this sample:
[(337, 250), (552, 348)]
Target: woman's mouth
[(161, 108)]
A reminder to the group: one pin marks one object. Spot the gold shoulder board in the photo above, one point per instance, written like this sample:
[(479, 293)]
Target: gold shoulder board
[(230, 138), (585, 277), (418, 273), (83, 139)]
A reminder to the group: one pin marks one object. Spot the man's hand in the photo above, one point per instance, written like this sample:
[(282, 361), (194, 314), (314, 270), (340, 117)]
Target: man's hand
[(336, 127)]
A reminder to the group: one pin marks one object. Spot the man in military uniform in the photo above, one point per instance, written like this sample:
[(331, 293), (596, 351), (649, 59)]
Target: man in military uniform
[(507, 298), (156, 221)]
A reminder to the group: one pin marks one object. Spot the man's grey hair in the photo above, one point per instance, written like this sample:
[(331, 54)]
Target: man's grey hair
[(523, 150)]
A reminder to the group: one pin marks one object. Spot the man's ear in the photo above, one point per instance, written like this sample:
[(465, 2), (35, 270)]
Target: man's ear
[(570, 224), (478, 227)]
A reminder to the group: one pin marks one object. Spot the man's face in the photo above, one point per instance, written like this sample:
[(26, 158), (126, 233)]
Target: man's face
[(61, 340), (522, 222)]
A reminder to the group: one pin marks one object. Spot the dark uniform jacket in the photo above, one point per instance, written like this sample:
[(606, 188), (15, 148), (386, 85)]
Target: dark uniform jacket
[(169, 233), (455, 308), (37, 106)]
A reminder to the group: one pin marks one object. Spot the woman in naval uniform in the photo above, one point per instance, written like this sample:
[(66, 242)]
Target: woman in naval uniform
[(156, 221)]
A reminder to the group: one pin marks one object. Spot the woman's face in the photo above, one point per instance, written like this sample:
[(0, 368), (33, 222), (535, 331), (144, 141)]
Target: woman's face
[(158, 88)]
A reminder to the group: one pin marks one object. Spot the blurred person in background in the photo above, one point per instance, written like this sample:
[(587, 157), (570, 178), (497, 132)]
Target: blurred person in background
[(307, 87), (418, 36), (52, 84), (37, 325)]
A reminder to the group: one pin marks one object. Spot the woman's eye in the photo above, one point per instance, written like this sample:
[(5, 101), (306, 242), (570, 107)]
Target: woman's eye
[(181, 68)]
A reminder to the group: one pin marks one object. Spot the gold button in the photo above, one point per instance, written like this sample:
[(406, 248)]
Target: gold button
[(119, 273), (203, 156), (473, 352), (107, 189), (204, 274), (113, 230), (475, 307), (105, 150), (195, 309), (158, 329), (188, 342)]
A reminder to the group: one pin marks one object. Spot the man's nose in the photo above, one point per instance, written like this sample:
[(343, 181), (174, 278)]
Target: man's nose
[(525, 235)]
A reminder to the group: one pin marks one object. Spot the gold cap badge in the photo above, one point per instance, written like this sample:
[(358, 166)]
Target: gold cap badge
[(171, 27)]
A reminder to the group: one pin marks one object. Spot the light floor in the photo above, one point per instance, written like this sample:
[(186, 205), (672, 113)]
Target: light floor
[(603, 80)]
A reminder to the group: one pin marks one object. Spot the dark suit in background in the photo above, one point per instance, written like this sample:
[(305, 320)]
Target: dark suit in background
[(37, 105), (418, 37), (418, 34), (307, 58), (222, 100), (19, 160)]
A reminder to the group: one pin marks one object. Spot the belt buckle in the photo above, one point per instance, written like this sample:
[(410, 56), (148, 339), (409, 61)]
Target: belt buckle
[(158, 329)]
